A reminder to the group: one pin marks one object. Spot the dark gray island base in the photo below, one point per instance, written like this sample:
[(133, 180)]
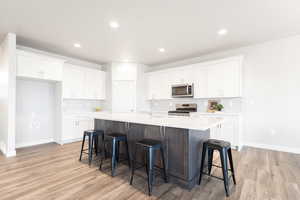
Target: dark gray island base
[(182, 147)]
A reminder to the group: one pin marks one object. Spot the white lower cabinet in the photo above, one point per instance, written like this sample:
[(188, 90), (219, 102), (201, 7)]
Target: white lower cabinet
[(73, 128), (228, 131)]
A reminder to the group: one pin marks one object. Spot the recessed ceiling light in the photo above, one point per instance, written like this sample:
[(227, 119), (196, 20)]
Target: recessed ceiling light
[(161, 50), (77, 45), (126, 60), (114, 24), (222, 32)]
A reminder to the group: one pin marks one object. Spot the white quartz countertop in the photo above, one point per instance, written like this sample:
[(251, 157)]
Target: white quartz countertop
[(201, 123)]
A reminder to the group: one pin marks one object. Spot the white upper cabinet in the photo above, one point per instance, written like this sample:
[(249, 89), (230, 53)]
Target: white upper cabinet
[(224, 79), (32, 65), (215, 79), (159, 86), (182, 75), (199, 78), (124, 71), (73, 82), (83, 83)]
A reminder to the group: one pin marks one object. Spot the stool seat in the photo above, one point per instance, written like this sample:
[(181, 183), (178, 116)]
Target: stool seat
[(95, 132), (116, 135), (218, 144), (150, 143)]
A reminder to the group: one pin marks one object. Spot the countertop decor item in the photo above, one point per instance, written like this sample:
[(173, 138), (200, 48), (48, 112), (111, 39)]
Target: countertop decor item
[(214, 105), (97, 109)]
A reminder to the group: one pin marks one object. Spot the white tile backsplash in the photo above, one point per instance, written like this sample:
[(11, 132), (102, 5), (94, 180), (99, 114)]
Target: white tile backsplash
[(232, 105), (74, 105)]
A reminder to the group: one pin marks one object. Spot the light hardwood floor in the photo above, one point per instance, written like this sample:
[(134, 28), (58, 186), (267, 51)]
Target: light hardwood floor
[(53, 172)]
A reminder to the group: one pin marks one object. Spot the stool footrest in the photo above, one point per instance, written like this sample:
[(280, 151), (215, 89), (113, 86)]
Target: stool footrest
[(216, 176)]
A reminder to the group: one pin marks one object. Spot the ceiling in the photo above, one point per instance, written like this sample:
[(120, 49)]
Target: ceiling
[(185, 28)]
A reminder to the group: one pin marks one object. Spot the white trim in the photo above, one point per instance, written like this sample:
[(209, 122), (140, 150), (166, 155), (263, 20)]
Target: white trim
[(3, 147), (11, 153), (274, 147), (37, 142), (70, 141)]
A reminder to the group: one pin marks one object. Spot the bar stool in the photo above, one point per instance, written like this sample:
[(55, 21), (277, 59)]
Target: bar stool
[(93, 136), (150, 147), (114, 139), (225, 151)]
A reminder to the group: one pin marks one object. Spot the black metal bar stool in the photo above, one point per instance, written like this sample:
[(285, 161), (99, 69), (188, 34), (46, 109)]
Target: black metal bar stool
[(115, 139), (93, 136), (150, 147), (225, 151)]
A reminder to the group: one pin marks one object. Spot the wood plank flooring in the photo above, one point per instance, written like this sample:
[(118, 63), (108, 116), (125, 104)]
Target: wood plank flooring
[(52, 171)]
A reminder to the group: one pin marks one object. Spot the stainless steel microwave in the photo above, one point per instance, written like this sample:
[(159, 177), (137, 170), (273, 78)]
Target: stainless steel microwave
[(183, 90)]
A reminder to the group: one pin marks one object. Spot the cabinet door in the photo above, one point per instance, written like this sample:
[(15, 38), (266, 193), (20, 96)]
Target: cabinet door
[(39, 68), (159, 86), (73, 82), (199, 78), (69, 129), (230, 131), (101, 89), (83, 125), (123, 96), (73, 128), (91, 83), (180, 76), (215, 133), (224, 79), (124, 71), (51, 70), (28, 67)]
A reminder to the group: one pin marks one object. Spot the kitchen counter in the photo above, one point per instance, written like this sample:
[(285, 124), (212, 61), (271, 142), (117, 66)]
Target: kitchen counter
[(199, 122)]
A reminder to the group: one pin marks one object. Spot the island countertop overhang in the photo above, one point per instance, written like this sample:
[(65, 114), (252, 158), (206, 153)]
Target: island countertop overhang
[(200, 123)]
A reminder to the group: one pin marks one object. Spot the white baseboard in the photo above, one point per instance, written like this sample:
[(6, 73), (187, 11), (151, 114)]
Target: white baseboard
[(274, 147), (3, 147), (5, 152), (11, 153), (37, 142), (70, 141)]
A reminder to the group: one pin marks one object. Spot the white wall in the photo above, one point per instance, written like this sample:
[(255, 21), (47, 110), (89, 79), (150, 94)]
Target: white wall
[(7, 94), (271, 78), (35, 112)]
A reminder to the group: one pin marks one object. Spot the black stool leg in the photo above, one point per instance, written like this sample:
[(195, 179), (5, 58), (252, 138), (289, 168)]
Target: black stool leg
[(127, 152), (151, 159), (117, 151), (103, 152), (231, 165), (90, 149), (202, 162), (96, 144), (82, 146), (133, 165), (223, 155), (164, 164), (113, 156), (210, 159)]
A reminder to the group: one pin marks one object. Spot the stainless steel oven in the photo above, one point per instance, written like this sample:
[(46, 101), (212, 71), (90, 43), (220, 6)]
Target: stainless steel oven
[(183, 90)]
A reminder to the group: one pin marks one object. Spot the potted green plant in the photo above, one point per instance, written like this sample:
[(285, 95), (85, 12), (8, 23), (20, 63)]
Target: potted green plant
[(218, 107)]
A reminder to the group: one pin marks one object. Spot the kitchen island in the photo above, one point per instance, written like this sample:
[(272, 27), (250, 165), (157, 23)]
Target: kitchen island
[(182, 139)]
